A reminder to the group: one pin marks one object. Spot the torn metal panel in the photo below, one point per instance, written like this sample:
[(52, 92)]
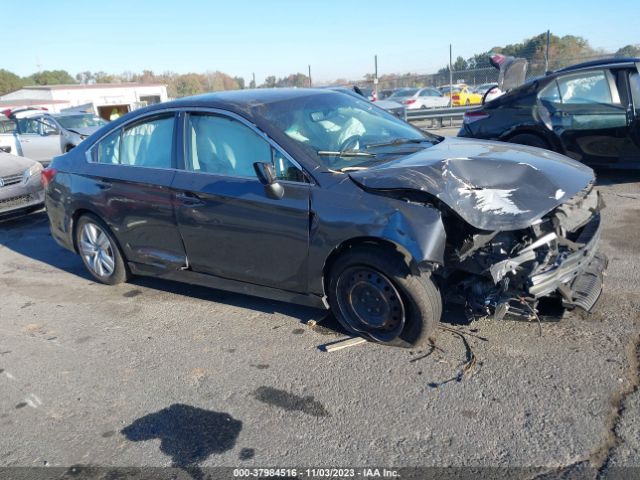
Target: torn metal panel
[(491, 185)]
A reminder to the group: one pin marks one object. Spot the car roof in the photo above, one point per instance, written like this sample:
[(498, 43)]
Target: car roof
[(600, 63)]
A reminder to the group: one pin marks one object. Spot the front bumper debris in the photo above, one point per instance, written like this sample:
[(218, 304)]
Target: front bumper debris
[(567, 270)]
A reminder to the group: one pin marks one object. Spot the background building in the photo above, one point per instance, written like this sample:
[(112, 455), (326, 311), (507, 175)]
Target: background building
[(103, 99)]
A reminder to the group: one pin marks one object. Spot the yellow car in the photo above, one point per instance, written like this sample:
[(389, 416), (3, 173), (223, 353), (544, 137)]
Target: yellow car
[(462, 95)]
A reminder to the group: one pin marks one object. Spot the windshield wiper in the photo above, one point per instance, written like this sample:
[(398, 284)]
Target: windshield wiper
[(399, 141), (345, 153)]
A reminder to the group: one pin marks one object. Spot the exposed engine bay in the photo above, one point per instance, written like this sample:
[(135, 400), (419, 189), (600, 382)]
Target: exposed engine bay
[(505, 273)]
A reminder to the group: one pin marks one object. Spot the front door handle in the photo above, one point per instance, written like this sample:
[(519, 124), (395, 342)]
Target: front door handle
[(104, 185), (189, 199)]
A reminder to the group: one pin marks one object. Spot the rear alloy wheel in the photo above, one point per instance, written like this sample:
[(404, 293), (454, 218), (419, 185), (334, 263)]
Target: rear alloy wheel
[(373, 294), (99, 251)]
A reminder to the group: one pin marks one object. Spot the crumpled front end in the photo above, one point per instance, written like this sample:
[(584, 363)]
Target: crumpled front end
[(557, 256)]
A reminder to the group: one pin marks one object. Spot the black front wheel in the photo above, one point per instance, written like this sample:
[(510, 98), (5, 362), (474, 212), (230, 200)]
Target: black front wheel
[(373, 294)]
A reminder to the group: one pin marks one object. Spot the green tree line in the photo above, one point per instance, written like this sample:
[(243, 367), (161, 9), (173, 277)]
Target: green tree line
[(563, 51), (178, 85)]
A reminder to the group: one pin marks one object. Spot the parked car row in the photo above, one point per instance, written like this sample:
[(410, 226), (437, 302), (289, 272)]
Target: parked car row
[(431, 97), (39, 135)]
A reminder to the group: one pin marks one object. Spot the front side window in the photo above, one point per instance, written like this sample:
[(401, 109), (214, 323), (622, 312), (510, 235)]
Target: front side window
[(49, 127), (146, 144), (223, 146)]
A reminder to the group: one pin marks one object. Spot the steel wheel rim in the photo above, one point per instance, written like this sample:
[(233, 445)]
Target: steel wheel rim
[(370, 303), (97, 251)]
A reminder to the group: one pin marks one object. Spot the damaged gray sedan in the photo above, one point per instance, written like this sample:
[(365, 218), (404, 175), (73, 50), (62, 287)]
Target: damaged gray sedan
[(319, 198)]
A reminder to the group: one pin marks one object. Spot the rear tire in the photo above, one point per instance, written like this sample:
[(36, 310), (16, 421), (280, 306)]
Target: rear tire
[(531, 140), (99, 251), (372, 293)]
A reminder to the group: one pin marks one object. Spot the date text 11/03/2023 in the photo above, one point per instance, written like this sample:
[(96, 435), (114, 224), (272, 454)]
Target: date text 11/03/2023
[(315, 473)]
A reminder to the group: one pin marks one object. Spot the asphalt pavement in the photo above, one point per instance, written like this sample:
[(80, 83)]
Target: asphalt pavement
[(155, 373)]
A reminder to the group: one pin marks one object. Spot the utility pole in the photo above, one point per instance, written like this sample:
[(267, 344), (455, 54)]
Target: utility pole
[(310, 76), (546, 54), (375, 77), (450, 76)]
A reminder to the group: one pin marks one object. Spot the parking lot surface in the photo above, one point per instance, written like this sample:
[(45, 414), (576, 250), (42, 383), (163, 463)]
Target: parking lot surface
[(154, 373)]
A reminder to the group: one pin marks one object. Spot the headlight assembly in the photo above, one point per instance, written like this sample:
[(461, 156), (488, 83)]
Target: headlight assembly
[(31, 171)]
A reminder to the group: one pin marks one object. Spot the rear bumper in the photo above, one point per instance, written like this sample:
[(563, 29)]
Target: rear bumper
[(577, 276)]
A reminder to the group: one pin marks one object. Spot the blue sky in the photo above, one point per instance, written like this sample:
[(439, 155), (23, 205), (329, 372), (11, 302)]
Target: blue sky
[(277, 37)]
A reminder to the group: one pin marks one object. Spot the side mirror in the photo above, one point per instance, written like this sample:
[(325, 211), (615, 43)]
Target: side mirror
[(267, 177)]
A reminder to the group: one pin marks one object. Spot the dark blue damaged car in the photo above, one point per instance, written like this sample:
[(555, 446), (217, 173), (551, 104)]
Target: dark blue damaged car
[(319, 198)]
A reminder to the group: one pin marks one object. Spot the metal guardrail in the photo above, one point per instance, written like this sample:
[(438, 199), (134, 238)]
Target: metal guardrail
[(438, 113)]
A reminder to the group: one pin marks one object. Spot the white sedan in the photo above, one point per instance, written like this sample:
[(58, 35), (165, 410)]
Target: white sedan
[(420, 98)]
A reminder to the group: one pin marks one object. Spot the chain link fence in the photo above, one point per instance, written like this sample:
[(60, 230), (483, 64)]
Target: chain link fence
[(478, 76)]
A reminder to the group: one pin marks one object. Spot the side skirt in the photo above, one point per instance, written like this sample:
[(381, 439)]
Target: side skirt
[(211, 281)]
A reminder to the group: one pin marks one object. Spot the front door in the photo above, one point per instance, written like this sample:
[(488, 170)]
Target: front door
[(230, 227), (588, 115)]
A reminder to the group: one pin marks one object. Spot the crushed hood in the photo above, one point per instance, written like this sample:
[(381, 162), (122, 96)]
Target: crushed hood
[(491, 185)]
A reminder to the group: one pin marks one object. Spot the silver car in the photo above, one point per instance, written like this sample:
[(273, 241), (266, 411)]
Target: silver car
[(21, 190), (419, 98), (42, 136)]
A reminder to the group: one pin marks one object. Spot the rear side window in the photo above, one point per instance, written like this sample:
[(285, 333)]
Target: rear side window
[(591, 87), (108, 150), (582, 88), (147, 144)]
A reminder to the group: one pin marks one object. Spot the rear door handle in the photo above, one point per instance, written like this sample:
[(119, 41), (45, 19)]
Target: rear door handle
[(189, 199)]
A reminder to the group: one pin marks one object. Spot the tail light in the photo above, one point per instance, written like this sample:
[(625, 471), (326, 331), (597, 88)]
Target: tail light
[(455, 96), (410, 101), (46, 176), (471, 117)]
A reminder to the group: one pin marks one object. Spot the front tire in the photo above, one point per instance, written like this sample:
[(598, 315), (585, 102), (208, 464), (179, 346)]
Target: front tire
[(99, 251), (373, 294)]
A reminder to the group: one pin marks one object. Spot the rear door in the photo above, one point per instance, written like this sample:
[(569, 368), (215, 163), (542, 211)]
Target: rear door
[(39, 138), (230, 227), (587, 113), (128, 183)]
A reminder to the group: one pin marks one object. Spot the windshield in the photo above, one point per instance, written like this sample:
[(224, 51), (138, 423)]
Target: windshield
[(342, 131), (409, 92), (80, 121)]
